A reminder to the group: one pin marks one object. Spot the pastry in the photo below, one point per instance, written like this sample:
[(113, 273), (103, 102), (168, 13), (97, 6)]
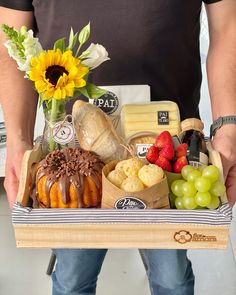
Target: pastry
[(116, 177), (132, 166), (95, 132), (69, 178), (150, 174), (132, 184)]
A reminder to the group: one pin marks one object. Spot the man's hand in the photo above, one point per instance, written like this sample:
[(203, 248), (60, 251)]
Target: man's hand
[(15, 154), (225, 143)]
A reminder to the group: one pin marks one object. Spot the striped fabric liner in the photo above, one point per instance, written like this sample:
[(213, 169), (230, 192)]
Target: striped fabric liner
[(26, 215)]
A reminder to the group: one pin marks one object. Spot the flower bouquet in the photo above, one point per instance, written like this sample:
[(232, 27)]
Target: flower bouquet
[(58, 74)]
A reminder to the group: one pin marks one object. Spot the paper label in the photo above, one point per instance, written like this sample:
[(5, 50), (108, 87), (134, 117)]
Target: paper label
[(129, 203), (163, 117), (142, 148), (63, 132), (108, 102)]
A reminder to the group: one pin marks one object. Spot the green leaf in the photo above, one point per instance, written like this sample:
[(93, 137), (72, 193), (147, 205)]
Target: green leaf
[(82, 91), (10, 32), (92, 91), (84, 34), (59, 44)]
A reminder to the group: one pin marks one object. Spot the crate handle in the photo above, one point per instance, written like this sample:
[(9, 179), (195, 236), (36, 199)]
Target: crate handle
[(27, 174)]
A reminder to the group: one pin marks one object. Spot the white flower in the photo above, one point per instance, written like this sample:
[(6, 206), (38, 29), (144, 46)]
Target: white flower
[(95, 55), (12, 49), (23, 52)]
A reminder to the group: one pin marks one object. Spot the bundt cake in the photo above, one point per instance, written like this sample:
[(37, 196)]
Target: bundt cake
[(69, 178)]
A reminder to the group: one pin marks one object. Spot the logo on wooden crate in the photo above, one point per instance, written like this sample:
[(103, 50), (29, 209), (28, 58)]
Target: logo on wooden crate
[(129, 203), (184, 236)]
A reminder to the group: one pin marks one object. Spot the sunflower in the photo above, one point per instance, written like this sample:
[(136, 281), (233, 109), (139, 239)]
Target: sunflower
[(56, 74)]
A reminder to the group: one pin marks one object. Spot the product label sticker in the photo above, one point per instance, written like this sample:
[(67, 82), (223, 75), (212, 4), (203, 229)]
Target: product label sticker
[(163, 117), (108, 102), (129, 203), (142, 148), (63, 132)]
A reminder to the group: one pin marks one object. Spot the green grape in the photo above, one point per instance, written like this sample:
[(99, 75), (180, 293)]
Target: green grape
[(217, 188), (172, 198), (186, 170), (200, 168), (189, 202), (189, 189), (179, 204), (203, 199), (202, 184), (211, 172), (215, 202), (193, 175), (176, 187)]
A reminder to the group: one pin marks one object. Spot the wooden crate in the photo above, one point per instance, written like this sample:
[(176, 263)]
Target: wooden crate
[(110, 228)]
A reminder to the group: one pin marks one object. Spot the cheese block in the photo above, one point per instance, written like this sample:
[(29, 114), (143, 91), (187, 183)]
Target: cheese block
[(153, 117)]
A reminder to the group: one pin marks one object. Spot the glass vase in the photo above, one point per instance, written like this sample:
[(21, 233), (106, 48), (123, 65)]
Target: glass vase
[(58, 130)]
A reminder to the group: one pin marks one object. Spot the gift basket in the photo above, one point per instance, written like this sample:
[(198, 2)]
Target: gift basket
[(151, 219), (157, 184)]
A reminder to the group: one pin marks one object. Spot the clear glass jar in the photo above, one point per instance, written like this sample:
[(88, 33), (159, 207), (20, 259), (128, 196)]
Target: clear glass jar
[(58, 130)]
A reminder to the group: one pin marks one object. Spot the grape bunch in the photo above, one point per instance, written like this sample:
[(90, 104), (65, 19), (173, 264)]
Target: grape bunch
[(199, 188)]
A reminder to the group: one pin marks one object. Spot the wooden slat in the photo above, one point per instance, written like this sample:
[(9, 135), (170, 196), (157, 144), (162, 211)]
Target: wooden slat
[(215, 159), (121, 236)]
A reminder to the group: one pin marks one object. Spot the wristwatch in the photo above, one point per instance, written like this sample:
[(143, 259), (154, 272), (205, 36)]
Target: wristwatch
[(220, 122)]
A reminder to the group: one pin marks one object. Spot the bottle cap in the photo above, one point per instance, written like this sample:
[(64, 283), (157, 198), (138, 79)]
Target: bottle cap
[(192, 124)]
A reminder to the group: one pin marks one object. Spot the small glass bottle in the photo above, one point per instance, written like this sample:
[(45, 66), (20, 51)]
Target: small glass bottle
[(197, 153)]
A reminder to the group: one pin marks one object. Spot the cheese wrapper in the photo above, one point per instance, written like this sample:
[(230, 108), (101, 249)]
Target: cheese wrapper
[(153, 117)]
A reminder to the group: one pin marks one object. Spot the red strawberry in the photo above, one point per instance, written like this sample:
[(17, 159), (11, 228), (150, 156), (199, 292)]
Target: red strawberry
[(162, 139), (164, 163), (152, 154), (181, 150), (179, 164), (167, 151)]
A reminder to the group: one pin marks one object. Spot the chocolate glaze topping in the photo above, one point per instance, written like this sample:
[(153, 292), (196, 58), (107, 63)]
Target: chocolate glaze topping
[(68, 166)]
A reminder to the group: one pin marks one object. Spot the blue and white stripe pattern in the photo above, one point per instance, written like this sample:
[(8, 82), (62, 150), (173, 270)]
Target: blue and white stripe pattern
[(26, 215)]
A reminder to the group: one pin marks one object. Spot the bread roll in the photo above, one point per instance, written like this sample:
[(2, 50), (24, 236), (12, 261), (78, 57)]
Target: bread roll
[(95, 131)]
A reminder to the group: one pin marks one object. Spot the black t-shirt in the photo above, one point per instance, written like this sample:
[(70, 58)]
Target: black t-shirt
[(153, 42)]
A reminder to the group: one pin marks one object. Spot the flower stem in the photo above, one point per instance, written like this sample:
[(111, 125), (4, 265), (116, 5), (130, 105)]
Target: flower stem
[(78, 50), (53, 117)]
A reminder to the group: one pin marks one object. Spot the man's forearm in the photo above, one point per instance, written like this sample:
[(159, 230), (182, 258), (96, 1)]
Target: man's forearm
[(221, 61), (221, 68), (19, 101), (17, 96)]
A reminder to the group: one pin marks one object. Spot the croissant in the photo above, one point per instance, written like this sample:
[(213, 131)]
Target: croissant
[(95, 132)]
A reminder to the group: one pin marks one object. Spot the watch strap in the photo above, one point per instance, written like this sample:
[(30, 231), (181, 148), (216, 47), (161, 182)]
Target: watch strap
[(220, 122)]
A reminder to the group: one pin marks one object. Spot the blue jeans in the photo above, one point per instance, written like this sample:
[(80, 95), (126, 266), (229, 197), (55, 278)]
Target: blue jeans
[(169, 271)]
